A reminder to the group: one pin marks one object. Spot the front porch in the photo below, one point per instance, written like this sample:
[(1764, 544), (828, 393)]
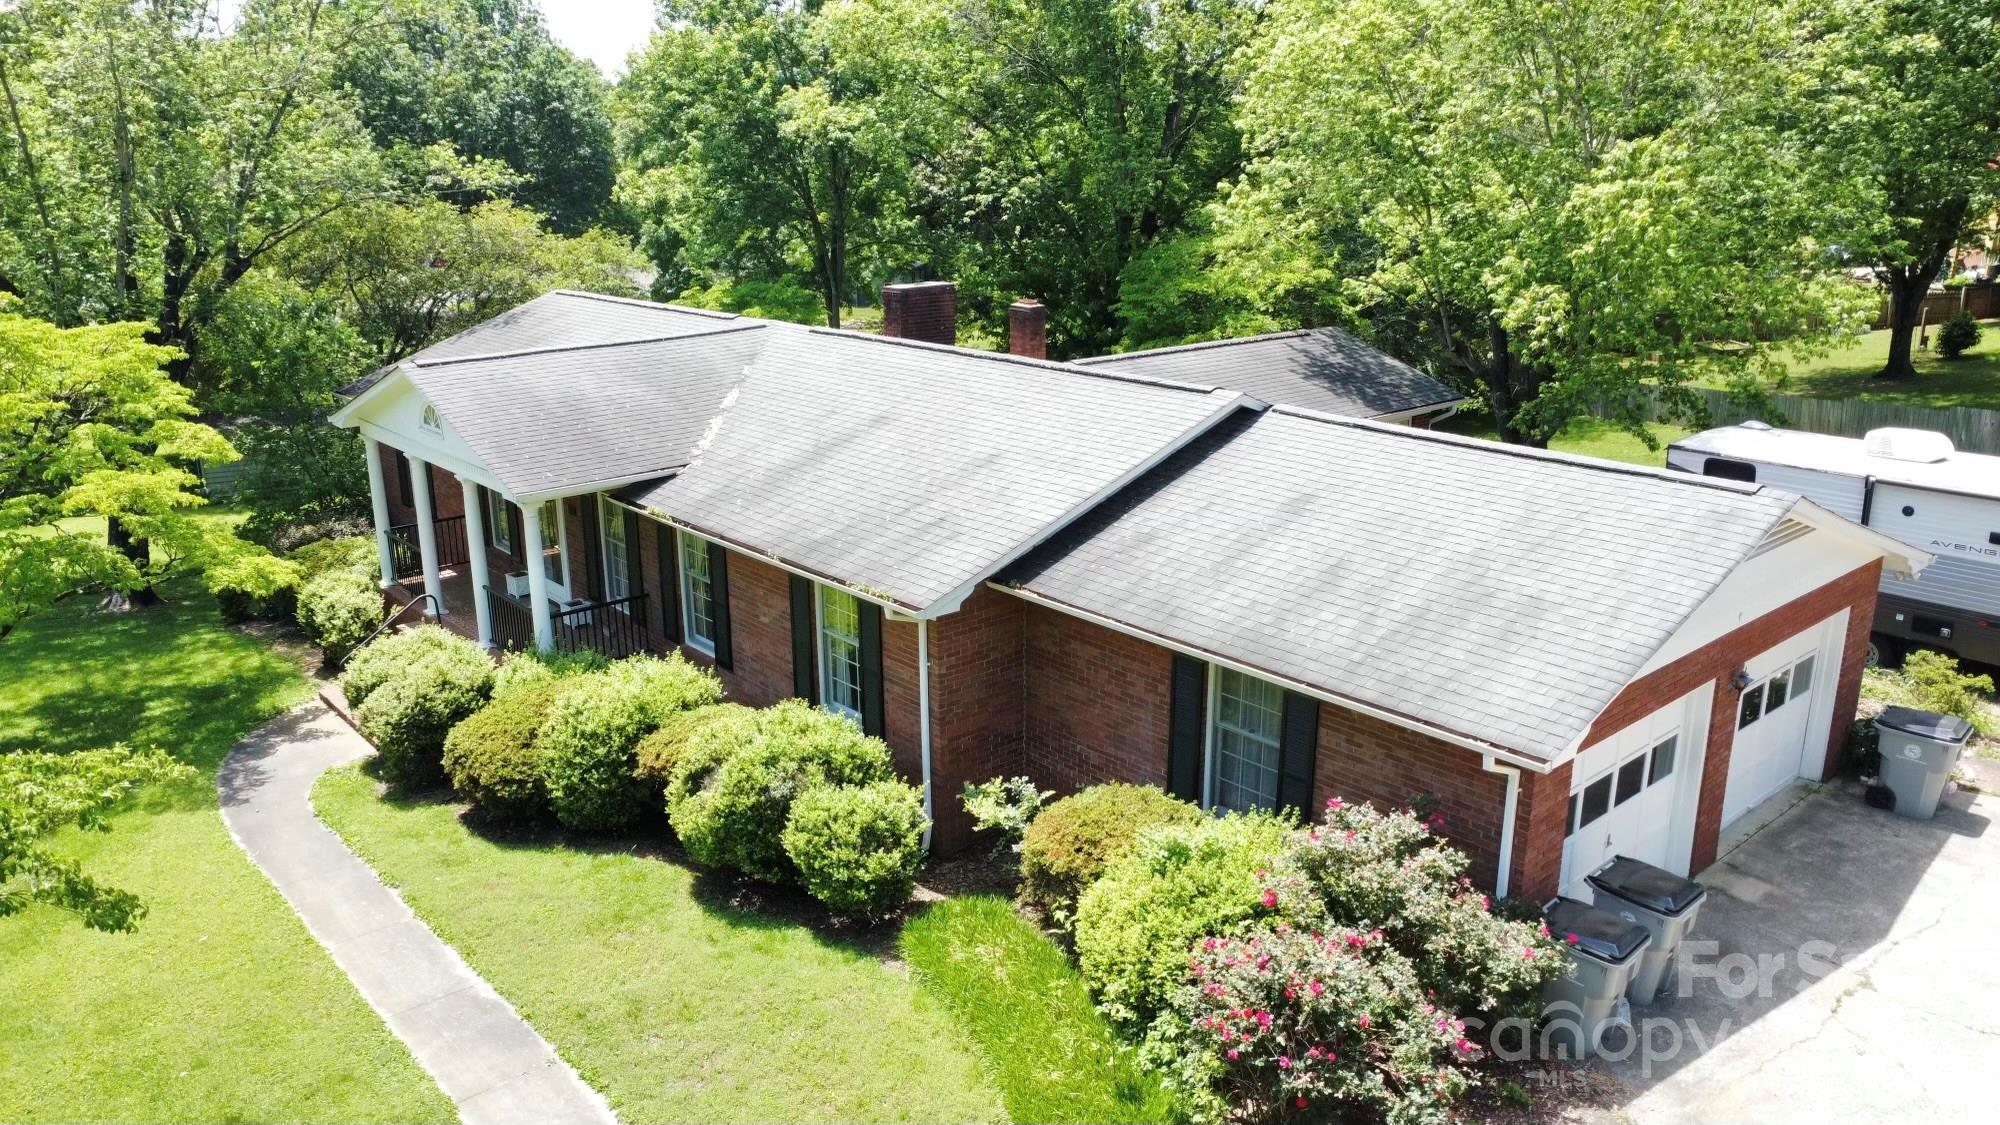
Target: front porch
[(615, 628)]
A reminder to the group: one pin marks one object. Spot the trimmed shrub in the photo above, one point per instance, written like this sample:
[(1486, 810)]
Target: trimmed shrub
[(1004, 807), (588, 741), (1957, 335), (383, 660), (408, 717), (1073, 840), (1135, 925), (857, 847), (659, 751), (733, 788), (490, 756), (338, 609), (352, 552)]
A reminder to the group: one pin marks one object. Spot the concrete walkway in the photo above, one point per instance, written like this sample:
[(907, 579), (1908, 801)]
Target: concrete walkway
[(483, 1055)]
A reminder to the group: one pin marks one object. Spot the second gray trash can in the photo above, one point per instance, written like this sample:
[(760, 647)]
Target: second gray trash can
[(1659, 900), (1919, 749), (1604, 950)]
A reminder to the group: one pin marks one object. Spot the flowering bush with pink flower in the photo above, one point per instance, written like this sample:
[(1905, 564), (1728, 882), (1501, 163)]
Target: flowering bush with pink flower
[(1294, 1023), (1389, 872)]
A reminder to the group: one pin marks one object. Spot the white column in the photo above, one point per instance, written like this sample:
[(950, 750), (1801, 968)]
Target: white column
[(378, 500), (538, 575), (427, 542), (475, 553)]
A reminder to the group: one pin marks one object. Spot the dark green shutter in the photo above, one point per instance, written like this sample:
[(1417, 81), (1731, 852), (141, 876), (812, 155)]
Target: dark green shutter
[(593, 549), (404, 488), (668, 548), (521, 553), (871, 667), (1184, 733), (805, 684), (1297, 746), (635, 583), (718, 585)]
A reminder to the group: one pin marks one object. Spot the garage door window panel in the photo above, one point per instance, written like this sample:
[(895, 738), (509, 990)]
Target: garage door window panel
[(1752, 707), (1596, 801), (1663, 760), (1802, 677), (1631, 779)]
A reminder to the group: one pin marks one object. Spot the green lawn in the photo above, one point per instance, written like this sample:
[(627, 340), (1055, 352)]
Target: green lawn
[(1588, 437), (675, 1003), (221, 1007), (1052, 1055), (1849, 372)]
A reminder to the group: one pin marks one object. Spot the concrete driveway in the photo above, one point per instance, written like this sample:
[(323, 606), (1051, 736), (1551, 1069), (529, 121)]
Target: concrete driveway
[(1852, 975)]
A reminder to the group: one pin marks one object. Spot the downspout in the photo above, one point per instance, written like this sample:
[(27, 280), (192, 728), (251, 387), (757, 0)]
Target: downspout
[(924, 718), (1513, 775)]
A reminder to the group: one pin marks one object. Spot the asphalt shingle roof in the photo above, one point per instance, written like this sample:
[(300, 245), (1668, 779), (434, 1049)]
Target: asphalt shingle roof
[(1499, 594), (911, 470), (1321, 369), (545, 421)]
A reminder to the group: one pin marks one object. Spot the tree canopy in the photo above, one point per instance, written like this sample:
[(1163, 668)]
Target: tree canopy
[(41, 793)]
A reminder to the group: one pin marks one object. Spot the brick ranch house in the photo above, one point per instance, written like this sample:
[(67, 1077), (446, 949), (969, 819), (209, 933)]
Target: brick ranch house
[(1132, 568)]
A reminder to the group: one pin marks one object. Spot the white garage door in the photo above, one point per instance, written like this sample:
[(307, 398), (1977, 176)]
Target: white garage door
[(1784, 711), (1633, 793)]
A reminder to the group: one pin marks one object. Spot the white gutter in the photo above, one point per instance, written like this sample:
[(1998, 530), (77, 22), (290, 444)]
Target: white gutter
[(1513, 777), (924, 718), (888, 605), (1484, 749)]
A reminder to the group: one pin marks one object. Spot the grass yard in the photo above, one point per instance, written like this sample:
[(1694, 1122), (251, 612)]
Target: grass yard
[(221, 1007), (1588, 437), (674, 1003), (1053, 1057), (1971, 380)]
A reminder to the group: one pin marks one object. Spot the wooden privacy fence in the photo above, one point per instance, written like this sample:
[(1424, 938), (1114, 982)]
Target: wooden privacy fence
[(1981, 299), (1973, 430)]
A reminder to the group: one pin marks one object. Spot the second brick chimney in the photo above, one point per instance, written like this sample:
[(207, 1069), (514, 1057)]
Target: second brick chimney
[(1028, 328), (921, 310)]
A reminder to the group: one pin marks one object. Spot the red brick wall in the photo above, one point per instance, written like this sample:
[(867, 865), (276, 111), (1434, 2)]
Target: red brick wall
[(977, 694), (1719, 659), (924, 310), (1096, 703)]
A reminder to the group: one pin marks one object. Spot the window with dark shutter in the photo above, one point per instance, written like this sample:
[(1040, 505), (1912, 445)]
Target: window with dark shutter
[(666, 546), (1184, 728), (805, 678), (1297, 753), (871, 668), (718, 578)]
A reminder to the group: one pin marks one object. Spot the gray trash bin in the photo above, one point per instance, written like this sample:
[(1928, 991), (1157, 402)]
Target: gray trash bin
[(1591, 996), (1659, 900), (1919, 749)]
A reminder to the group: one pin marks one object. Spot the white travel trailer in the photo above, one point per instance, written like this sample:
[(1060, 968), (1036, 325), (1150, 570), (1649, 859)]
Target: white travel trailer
[(1908, 484)]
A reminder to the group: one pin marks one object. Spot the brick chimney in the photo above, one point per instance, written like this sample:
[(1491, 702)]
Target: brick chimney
[(921, 310), (1028, 328)]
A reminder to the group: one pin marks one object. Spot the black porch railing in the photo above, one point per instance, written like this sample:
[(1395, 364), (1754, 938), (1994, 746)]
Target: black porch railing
[(616, 628), (407, 556)]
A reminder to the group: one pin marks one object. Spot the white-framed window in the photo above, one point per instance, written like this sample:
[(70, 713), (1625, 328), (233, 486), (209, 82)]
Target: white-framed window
[(840, 652), (552, 544), (1245, 729), (499, 522), (429, 419), (697, 593), (617, 558)]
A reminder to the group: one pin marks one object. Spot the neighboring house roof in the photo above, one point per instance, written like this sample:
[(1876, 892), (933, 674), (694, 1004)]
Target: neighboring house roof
[(648, 403), (1321, 369), (914, 471), (1504, 594)]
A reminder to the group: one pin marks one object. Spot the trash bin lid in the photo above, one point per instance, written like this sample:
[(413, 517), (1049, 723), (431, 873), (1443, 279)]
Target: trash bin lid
[(1654, 888), (1600, 933), (1925, 724)]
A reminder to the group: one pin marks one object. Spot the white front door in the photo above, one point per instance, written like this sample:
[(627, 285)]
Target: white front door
[(555, 551), (1630, 795), (1787, 702), (617, 554)]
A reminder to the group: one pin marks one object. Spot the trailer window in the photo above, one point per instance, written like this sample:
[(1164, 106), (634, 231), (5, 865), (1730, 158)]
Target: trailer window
[(1729, 470)]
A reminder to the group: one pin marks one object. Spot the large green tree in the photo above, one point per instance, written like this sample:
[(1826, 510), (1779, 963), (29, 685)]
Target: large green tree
[(1903, 104), (757, 149), (42, 794), (91, 425), (1586, 205)]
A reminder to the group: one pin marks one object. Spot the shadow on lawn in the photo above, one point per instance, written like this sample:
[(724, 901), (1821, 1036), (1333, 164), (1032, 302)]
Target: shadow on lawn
[(736, 900)]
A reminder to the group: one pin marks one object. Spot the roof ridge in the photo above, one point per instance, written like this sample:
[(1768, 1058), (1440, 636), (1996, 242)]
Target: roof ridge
[(1069, 368), (1203, 345), (612, 298), (553, 349), (1505, 449)]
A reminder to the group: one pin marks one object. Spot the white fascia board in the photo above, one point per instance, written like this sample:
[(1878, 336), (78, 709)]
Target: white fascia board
[(1893, 550), (890, 607), (456, 466), (1487, 749), (1449, 407), (345, 416), (950, 602)]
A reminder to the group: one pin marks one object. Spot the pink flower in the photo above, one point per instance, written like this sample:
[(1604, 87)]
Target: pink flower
[(1363, 1021), (1291, 993), (1570, 938), (1485, 903), (1270, 898), (1209, 945), (1232, 1055), (1545, 929), (1350, 835), (1335, 803), (1284, 1062), (1312, 1052), (1317, 988), (1263, 1019), (1528, 953), (1464, 1047), (1300, 1101)]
